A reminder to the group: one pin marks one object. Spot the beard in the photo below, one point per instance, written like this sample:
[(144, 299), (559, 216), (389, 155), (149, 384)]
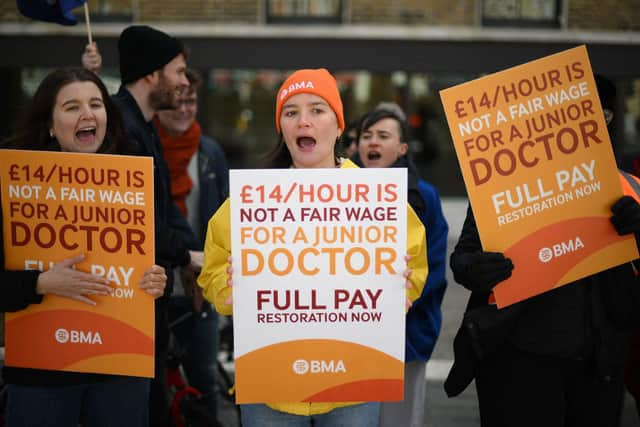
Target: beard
[(163, 96)]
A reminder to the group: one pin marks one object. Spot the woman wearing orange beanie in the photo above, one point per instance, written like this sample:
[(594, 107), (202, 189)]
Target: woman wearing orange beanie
[(309, 120)]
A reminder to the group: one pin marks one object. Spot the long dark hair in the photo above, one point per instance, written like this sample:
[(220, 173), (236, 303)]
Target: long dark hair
[(279, 157), (33, 130)]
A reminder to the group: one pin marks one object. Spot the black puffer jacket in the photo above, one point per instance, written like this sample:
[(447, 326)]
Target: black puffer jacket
[(171, 251), (590, 318)]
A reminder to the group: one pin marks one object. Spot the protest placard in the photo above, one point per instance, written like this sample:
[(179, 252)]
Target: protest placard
[(540, 173), (319, 296), (58, 205)]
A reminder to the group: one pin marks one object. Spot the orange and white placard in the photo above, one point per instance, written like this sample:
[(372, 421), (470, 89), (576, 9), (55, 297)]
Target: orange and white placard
[(319, 297), (540, 173), (58, 205)]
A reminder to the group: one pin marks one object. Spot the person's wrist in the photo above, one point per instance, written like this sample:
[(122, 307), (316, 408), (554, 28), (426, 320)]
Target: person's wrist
[(41, 284)]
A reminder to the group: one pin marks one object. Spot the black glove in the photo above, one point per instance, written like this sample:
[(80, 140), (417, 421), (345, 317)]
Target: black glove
[(480, 271), (626, 215)]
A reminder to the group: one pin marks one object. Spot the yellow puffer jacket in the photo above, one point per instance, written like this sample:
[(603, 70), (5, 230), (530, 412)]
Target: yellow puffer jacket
[(213, 279)]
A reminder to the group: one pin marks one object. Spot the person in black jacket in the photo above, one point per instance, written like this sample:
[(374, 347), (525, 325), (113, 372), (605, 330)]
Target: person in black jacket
[(70, 111), (556, 359), (152, 72)]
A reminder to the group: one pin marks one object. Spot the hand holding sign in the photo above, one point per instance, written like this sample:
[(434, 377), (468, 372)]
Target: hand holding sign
[(481, 271), (91, 58), (63, 280), (197, 258), (626, 215), (540, 173), (229, 300), (100, 206), (406, 274), (153, 281)]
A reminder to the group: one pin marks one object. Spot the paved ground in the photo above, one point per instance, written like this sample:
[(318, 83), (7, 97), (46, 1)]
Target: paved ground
[(461, 411)]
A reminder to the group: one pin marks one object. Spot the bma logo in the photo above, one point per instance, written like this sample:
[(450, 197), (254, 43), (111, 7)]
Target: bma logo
[(559, 249), (64, 336), (302, 367), (296, 86)]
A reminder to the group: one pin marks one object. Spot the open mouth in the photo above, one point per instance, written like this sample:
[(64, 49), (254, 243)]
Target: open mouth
[(87, 134), (306, 143), (373, 155)]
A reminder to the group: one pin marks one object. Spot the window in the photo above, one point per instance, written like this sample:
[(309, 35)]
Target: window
[(527, 13), (304, 11)]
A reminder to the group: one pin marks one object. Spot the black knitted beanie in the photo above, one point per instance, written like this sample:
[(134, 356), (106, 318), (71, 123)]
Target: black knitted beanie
[(144, 50)]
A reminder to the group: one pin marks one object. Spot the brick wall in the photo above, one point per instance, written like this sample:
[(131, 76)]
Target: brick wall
[(9, 12), (606, 15), (417, 12), (609, 15), (111, 6), (236, 11)]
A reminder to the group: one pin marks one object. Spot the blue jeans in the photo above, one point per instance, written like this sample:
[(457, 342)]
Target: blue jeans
[(362, 415), (115, 402)]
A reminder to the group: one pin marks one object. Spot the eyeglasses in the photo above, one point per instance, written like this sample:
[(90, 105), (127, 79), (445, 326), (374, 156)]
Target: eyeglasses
[(188, 103)]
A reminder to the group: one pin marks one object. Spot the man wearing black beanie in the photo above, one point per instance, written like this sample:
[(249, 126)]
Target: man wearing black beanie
[(152, 71)]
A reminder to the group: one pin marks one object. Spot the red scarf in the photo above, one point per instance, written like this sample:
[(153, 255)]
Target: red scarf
[(178, 151)]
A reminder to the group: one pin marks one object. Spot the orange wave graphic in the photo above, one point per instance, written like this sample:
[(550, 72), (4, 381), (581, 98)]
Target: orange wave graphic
[(136, 365), (318, 370), (531, 276), (596, 260), (31, 341), (383, 390)]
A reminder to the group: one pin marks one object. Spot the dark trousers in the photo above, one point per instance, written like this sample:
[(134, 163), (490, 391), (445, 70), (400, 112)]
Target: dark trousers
[(159, 393), (113, 402), (197, 335), (520, 389)]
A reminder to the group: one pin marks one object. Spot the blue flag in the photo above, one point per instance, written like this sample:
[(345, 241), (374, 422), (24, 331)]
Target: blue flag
[(50, 10)]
